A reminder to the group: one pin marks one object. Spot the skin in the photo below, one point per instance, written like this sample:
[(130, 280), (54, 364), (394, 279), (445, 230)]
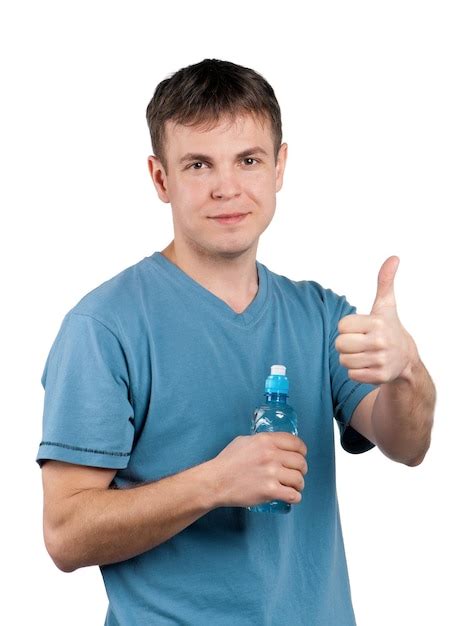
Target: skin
[(377, 349), (220, 257)]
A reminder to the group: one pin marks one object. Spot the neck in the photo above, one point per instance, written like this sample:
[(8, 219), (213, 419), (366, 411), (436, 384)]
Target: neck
[(232, 279)]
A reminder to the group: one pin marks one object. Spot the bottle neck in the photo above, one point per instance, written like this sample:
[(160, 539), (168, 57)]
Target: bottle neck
[(276, 397)]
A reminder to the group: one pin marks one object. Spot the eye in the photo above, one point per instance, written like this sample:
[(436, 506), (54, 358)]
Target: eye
[(196, 163), (251, 159)]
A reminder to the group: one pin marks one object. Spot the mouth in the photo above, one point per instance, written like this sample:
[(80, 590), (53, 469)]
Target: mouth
[(232, 218)]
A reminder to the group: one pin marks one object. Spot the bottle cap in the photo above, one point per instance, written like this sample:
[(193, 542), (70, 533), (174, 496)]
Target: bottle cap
[(277, 382)]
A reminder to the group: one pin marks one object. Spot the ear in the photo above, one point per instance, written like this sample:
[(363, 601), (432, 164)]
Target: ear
[(280, 165), (159, 177)]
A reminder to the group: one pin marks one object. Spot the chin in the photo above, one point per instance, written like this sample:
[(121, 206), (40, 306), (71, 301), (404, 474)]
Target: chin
[(226, 246), (233, 251)]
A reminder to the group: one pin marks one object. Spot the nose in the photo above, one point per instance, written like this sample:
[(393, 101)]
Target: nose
[(226, 184)]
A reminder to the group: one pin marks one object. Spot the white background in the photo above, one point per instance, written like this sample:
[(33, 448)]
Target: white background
[(375, 100)]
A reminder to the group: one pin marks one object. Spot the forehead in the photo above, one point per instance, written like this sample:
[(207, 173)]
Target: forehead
[(240, 132)]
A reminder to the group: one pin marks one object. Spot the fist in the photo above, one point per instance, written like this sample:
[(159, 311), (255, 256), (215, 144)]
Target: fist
[(376, 348), (260, 468)]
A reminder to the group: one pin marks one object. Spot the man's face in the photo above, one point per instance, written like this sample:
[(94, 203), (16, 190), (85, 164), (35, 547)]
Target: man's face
[(229, 169)]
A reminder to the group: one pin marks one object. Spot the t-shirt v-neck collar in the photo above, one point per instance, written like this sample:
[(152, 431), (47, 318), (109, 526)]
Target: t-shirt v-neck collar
[(251, 313)]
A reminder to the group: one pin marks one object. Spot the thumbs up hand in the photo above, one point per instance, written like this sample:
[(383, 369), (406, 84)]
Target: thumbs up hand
[(376, 348)]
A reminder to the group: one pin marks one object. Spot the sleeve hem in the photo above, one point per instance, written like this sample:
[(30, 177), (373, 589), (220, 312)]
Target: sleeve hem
[(351, 440), (81, 456)]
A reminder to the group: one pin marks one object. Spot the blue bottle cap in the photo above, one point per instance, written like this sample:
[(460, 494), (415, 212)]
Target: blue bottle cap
[(277, 382)]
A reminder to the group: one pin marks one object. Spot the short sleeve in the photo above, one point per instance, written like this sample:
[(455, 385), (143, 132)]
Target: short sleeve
[(346, 393), (88, 415)]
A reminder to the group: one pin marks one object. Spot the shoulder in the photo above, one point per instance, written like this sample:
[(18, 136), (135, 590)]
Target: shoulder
[(307, 290), (311, 301), (114, 299)]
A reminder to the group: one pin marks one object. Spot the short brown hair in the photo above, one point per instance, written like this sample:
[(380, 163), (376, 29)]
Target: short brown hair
[(200, 94)]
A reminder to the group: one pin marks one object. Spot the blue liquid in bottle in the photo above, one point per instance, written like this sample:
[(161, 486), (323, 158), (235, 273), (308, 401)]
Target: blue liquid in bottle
[(273, 416)]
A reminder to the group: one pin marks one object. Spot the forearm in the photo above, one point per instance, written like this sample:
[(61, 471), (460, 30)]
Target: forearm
[(102, 526), (402, 416)]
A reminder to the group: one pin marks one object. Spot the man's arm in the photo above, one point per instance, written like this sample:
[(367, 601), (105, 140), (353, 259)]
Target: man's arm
[(377, 349), (87, 523), (398, 416)]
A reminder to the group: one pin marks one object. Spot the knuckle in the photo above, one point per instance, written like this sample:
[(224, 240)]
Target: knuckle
[(264, 457), (382, 358), (272, 470), (267, 454), (378, 323), (374, 341), (380, 342)]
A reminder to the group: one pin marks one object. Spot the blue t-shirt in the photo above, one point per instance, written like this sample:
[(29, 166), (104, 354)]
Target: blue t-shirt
[(150, 374)]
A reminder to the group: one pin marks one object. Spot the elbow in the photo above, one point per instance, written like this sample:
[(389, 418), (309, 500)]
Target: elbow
[(59, 551), (417, 460), (64, 566)]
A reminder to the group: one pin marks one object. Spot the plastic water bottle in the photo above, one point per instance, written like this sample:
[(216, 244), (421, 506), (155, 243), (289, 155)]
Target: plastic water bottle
[(273, 416)]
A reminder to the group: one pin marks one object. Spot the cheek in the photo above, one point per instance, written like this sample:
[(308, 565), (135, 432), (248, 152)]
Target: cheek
[(262, 190), (266, 192), (188, 196)]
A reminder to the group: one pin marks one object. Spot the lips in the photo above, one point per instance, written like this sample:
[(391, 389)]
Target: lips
[(225, 215), (231, 218)]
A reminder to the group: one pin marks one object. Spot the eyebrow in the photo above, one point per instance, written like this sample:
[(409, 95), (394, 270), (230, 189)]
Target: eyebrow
[(192, 156)]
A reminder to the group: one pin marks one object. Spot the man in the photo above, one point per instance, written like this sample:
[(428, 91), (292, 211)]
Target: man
[(147, 461)]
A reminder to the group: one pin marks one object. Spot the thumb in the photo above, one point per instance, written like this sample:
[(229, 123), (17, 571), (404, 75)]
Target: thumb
[(385, 290)]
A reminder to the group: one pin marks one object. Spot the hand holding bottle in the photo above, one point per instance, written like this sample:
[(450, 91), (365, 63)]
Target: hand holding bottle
[(261, 467)]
